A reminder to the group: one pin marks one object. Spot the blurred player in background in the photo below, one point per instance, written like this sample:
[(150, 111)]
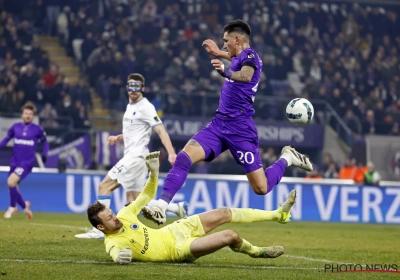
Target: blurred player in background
[(233, 127), (139, 120), (26, 136), (185, 240)]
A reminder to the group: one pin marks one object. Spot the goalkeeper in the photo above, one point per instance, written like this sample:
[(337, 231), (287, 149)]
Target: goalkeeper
[(185, 240)]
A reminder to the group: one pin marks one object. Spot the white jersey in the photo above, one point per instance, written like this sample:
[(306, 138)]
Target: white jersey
[(137, 124)]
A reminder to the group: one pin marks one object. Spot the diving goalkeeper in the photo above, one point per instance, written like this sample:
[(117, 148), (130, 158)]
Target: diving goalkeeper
[(127, 239)]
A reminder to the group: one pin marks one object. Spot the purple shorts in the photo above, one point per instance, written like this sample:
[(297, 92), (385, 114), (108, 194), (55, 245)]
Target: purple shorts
[(238, 135), (20, 169)]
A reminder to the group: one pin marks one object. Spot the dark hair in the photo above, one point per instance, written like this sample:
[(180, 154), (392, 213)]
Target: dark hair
[(136, 77), (29, 106), (93, 213), (239, 26)]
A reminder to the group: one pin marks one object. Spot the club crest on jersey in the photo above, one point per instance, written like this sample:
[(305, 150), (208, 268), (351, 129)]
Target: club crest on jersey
[(250, 55), (134, 226)]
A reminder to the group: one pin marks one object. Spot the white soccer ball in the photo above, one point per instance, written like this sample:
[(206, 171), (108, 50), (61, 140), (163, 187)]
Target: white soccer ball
[(300, 111)]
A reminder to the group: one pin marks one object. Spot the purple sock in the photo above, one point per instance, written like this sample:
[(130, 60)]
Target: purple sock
[(20, 200), (275, 172), (176, 176), (13, 196)]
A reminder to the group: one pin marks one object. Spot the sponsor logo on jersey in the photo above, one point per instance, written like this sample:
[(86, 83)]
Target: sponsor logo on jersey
[(128, 120), (24, 142), (134, 226), (250, 55), (146, 241)]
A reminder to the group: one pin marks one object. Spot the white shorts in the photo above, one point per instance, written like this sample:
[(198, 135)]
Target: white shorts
[(130, 172)]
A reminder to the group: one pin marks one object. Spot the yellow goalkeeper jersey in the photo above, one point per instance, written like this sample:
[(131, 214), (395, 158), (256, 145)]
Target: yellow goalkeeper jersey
[(147, 244)]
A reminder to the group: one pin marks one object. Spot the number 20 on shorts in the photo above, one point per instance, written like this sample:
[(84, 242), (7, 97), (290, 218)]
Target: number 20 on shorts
[(246, 157)]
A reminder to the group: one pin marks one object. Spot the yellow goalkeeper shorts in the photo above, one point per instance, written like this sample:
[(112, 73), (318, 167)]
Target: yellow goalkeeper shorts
[(185, 231)]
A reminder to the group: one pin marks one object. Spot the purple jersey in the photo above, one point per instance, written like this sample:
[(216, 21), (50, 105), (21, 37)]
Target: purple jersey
[(236, 98), (26, 137)]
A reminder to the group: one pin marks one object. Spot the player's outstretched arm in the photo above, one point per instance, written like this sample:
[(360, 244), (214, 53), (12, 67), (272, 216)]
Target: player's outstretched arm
[(120, 256), (244, 75), (212, 48), (43, 140), (150, 189), (45, 150), (9, 136), (160, 130), (112, 140), (124, 256)]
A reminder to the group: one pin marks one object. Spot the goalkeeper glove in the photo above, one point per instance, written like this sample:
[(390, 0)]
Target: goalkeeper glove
[(124, 256)]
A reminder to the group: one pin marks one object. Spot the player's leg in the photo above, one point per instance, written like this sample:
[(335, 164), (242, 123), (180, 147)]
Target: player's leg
[(122, 173), (214, 218), (197, 226), (180, 209), (107, 185), (213, 242), (12, 183), (245, 149), (246, 153), (16, 175), (263, 181), (205, 145), (192, 153), (209, 244), (131, 196), (133, 191)]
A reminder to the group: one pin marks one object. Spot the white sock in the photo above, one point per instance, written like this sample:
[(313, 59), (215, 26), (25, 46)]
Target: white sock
[(97, 230), (152, 203), (288, 158), (105, 201), (162, 205), (173, 207)]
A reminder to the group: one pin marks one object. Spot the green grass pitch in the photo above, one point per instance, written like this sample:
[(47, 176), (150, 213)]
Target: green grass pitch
[(45, 248)]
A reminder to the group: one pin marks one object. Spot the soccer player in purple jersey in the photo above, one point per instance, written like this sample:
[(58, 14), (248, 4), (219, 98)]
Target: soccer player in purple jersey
[(233, 127), (26, 137)]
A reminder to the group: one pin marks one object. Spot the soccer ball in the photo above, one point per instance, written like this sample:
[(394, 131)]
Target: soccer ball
[(300, 111)]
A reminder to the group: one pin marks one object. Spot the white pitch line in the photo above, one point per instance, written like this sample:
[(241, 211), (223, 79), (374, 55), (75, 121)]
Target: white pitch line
[(285, 255), (53, 261), (54, 225), (165, 264), (308, 259), (300, 258), (316, 260)]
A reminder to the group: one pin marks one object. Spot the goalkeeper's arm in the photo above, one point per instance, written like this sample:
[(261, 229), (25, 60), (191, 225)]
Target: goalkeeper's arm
[(150, 189), (147, 194), (120, 256)]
